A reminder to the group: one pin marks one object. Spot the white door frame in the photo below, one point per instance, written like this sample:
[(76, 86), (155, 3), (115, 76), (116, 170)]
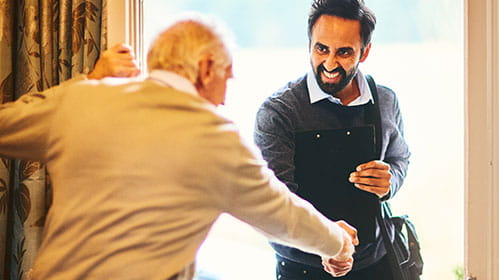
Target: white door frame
[(125, 25), (482, 139)]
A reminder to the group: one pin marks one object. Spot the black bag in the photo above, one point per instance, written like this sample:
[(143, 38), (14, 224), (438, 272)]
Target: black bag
[(402, 245), (399, 234)]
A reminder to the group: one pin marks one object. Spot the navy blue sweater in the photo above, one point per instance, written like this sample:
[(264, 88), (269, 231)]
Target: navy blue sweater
[(289, 111)]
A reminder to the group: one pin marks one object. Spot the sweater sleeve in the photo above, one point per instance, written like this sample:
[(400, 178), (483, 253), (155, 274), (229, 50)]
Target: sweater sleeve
[(397, 151), (258, 198), (274, 136), (25, 124)]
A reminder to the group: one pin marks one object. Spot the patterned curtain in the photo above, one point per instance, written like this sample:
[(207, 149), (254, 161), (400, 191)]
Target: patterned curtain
[(42, 43)]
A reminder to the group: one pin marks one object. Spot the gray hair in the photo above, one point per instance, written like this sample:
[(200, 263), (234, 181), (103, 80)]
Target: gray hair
[(180, 47)]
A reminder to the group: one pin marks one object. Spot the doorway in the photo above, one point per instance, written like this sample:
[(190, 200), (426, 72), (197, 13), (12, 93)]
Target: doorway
[(417, 51)]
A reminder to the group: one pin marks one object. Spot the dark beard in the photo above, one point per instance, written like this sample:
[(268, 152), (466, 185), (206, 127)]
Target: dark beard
[(333, 89)]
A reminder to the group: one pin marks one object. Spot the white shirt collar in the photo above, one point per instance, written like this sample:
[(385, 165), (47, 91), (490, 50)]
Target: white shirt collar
[(173, 80), (316, 94)]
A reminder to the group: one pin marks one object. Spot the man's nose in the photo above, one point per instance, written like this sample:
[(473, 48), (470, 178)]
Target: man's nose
[(331, 63)]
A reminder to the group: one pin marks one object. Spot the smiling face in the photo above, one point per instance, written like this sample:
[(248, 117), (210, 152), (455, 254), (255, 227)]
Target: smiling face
[(335, 53)]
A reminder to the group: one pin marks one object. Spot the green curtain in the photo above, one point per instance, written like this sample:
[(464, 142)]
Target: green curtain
[(42, 43)]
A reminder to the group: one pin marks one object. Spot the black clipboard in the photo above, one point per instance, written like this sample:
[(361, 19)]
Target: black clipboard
[(324, 160)]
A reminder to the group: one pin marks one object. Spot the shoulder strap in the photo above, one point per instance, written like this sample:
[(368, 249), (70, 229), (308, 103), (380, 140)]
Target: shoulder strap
[(375, 114), (385, 211)]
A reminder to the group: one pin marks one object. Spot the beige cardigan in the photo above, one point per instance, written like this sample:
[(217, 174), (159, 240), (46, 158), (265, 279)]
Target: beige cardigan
[(140, 173)]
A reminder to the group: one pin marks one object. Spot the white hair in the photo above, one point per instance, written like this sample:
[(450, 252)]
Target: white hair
[(183, 44)]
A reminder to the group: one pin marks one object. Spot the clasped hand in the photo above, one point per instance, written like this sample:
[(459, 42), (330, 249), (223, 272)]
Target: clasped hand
[(117, 61), (374, 177), (341, 263)]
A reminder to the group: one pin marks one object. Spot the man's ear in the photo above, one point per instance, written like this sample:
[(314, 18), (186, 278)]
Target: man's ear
[(205, 71), (365, 54)]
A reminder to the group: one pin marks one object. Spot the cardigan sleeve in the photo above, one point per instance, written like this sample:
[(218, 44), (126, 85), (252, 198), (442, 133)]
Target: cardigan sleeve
[(397, 151), (274, 136), (25, 124), (258, 198)]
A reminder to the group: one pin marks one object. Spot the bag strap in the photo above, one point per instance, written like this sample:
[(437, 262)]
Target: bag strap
[(390, 250), (385, 210), (375, 115)]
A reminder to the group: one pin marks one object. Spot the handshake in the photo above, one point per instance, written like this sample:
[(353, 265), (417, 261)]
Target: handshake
[(341, 263)]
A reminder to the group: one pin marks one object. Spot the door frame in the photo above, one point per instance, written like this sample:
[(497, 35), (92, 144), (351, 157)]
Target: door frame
[(124, 24), (481, 139)]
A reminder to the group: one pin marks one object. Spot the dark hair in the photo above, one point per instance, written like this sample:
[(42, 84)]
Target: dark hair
[(348, 9)]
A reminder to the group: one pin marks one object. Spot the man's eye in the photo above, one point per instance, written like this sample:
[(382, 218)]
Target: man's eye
[(345, 53), (321, 49)]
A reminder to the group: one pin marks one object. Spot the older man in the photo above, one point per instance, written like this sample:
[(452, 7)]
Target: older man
[(141, 170)]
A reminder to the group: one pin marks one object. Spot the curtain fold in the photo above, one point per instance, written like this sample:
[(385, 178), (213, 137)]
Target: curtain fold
[(42, 43)]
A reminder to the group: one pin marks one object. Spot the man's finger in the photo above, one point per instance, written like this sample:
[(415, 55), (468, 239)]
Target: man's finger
[(128, 63), (374, 182), (379, 191), (350, 230), (341, 265), (372, 172), (121, 48), (128, 72), (376, 164), (337, 268)]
